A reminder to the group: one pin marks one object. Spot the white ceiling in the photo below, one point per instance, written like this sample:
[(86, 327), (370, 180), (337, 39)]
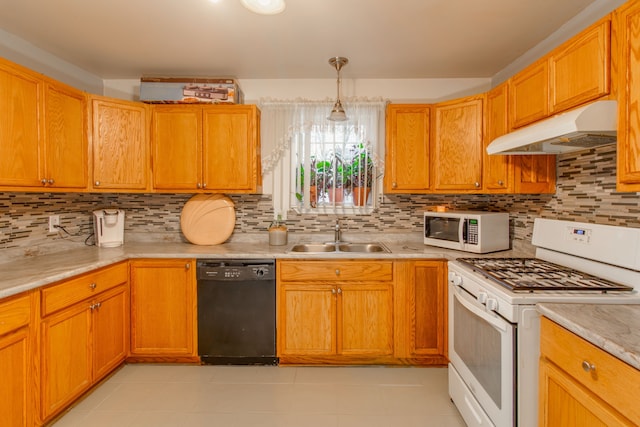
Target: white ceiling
[(126, 39)]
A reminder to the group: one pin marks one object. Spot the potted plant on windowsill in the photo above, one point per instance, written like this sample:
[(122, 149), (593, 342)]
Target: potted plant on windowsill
[(338, 179), (361, 167)]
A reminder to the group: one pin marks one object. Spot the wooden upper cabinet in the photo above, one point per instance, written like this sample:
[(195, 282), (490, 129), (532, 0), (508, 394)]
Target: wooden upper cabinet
[(177, 147), (529, 95), (457, 146), (231, 148), (627, 21), (120, 145), (407, 148), (206, 148), (535, 174), (21, 141), (65, 135), (579, 69), (497, 170)]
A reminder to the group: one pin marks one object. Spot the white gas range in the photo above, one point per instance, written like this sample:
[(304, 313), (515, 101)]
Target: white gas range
[(493, 322)]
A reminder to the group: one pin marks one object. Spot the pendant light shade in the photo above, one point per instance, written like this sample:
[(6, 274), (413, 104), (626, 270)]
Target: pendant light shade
[(337, 112), (264, 7)]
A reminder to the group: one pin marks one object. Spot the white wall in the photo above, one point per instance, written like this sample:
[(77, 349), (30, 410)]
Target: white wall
[(395, 90)]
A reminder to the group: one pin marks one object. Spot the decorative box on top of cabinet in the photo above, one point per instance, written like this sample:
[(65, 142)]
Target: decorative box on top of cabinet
[(198, 148), (43, 140)]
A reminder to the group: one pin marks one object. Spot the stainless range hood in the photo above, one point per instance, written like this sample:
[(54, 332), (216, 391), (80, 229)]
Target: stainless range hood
[(589, 126)]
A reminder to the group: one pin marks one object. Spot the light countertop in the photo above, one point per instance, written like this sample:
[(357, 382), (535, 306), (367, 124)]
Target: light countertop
[(27, 273), (613, 328)]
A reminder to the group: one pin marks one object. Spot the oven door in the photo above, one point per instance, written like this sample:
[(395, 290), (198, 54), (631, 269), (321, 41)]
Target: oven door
[(482, 352)]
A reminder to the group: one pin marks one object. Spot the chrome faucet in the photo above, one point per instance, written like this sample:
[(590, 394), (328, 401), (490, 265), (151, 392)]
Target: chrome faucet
[(337, 232)]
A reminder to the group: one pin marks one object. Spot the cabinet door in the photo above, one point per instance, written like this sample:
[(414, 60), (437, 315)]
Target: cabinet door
[(120, 145), (163, 308), (529, 95), (15, 385), (177, 147), (65, 357), (110, 331), (628, 31), (65, 137), (407, 154), (457, 145), (21, 150), (231, 148), (497, 170), (535, 173), (579, 69), (306, 320), (564, 402), (365, 319)]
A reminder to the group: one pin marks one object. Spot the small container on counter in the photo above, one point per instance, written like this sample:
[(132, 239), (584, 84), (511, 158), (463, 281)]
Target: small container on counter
[(277, 233)]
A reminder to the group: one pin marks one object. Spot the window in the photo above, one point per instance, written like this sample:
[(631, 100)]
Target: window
[(323, 166)]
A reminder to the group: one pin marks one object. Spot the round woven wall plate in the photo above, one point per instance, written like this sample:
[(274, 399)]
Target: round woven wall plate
[(208, 219)]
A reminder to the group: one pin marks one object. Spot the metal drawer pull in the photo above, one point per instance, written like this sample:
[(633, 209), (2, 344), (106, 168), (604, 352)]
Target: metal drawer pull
[(337, 272), (588, 367)]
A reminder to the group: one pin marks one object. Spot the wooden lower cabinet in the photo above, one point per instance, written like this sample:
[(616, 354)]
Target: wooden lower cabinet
[(163, 310), (84, 339), (421, 311), (17, 357), (335, 312), (602, 394), (362, 312)]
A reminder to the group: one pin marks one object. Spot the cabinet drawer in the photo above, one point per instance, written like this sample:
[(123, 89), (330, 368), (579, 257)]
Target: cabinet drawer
[(82, 287), (614, 381), (14, 313), (335, 271)]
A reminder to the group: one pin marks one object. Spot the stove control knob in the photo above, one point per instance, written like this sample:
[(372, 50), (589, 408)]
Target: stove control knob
[(492, 304), (455, 279), (482, 297)]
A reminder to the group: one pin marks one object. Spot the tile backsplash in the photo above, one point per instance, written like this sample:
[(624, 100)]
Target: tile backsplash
[(586, 192)]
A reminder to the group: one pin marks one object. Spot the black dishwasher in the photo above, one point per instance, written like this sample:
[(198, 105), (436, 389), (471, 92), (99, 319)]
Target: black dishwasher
[(237, 312)]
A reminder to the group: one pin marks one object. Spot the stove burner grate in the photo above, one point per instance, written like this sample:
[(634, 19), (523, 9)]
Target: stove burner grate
[(532, 274)]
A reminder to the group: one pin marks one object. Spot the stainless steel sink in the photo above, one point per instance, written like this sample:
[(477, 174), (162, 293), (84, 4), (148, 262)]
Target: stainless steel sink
[(339, 247), (362, 247)]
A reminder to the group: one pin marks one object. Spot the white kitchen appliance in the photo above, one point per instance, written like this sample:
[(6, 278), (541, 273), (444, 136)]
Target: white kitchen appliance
[(108, 227), (469, 231), (494, 334)]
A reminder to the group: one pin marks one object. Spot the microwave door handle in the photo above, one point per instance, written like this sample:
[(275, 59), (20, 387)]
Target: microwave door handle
[(471, 305), (461, 237)]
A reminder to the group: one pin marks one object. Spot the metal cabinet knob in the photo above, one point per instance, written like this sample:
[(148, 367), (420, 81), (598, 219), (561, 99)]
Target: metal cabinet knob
[(337, 272), (500, 182), (588, 367), (339, 290), (477, 184), (43, 181), (92, 286), (394, 185), (333, 291), (187, 266), (199, 185), (97, 183), (204, 185), (50, 181)]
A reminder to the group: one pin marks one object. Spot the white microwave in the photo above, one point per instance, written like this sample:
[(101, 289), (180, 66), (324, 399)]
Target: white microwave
[(470, 231)]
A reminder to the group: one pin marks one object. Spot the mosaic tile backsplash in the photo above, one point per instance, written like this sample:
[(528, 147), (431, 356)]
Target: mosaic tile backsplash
[(586, 192)]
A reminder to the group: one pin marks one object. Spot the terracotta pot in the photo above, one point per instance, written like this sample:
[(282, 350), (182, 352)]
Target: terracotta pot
[(313, 196), (360, 195), (336, 195)]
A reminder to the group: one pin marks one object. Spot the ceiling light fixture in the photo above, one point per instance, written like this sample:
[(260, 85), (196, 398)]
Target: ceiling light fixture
[(337, 113), (264, 7)]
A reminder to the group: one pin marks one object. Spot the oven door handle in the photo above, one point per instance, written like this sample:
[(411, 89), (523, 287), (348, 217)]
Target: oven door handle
[(471, 305)]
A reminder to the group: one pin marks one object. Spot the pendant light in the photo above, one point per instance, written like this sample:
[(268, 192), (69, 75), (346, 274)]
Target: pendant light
[(337, 113)]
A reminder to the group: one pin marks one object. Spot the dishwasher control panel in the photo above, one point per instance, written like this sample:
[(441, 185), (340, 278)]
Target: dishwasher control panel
[(235, 270)]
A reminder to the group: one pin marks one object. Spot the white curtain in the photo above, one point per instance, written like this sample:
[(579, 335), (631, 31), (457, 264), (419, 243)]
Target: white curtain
[(284, 122)]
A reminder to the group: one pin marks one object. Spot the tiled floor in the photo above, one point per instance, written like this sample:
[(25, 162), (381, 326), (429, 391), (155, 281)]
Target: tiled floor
[(238, 396)]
